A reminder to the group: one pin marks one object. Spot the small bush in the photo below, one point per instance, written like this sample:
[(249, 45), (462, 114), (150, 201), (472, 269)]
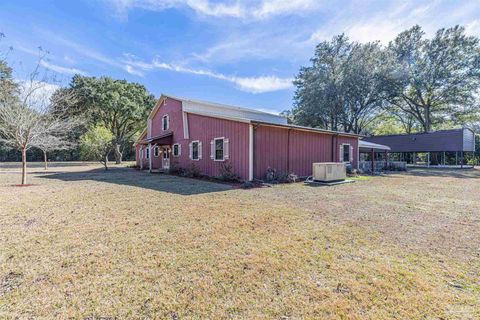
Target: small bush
[(247, 185), (274, 176), (176, 169), (227, 174), (191, 172)]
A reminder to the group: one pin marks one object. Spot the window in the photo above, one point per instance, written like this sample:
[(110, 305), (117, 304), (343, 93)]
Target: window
[(346, 152), (147, 153), (219, 149), (195, 150), (156, 151), (176, 150), (165, 122)]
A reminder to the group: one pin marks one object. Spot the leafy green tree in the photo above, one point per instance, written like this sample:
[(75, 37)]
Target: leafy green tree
[(435, 79), (344, 88), (96, 144), (120, 106)]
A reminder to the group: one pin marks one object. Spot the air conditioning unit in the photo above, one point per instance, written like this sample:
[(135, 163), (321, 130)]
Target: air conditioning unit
[(329, 171)]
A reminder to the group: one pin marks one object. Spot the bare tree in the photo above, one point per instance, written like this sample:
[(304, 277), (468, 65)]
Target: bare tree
[(25, 120)]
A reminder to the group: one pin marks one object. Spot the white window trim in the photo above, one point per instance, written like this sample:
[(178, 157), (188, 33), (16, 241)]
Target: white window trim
[(350, 155), (215, 149), (165, 116), (198, 153), (156, 151), (179, 149)]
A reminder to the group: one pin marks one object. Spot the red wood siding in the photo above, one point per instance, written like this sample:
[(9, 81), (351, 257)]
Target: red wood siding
[(295, 151), (270, 150), (205, 129), (172, 108), (284, 149)]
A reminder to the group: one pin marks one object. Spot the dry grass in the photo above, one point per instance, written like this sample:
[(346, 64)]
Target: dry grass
[(84, 243)]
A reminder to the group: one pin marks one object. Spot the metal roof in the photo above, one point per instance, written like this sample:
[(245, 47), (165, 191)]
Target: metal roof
[(292, 126), (371, 145), (437, 141)]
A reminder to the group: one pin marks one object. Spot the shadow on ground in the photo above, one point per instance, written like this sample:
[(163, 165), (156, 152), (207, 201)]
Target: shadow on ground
[(469, 173), (142, 179)]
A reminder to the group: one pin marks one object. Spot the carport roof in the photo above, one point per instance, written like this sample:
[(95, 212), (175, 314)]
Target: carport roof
[(368, 146)]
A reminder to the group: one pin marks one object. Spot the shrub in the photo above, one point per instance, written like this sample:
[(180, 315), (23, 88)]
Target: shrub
[(175, 168), (247, 185), (191, 172), (227, 174), (274, 176)]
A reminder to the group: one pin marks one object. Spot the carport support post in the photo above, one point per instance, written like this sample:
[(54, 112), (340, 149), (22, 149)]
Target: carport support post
[(443, 158), (461, 159), (150, 157), (386, 159), (428, 159)]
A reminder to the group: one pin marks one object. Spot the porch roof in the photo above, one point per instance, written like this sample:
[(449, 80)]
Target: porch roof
[(366, 146), (165, 138)]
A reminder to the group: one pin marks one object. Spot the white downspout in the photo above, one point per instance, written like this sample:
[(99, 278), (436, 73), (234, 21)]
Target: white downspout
[(250, 152)]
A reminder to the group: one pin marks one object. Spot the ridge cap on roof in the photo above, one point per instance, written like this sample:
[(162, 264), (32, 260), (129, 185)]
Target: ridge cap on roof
[(294, 126), (227, 106), (418, 133)]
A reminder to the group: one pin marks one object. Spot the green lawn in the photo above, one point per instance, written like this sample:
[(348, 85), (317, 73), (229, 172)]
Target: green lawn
[(84, 243)]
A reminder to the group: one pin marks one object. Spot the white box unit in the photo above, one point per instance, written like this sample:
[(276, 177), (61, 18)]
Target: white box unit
[(329, 171)]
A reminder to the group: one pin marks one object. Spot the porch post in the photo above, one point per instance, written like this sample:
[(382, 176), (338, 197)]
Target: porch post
[(141, 157), (456, 158), (149, 157), (386, 158), (461, 158), (373, 161), (443, 160), (428, 159)]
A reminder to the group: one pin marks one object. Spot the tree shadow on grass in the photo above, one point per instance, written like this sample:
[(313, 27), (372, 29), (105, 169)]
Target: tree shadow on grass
[(468, 173), (143, 179)]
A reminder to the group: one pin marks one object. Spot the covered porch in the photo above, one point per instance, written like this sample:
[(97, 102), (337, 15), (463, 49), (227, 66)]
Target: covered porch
[(155, 152), (376, 156)]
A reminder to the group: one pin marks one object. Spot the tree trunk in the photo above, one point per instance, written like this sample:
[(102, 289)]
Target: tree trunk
[(105, 162), (118, 154), (428, 125), (24, 166), (45, 161)]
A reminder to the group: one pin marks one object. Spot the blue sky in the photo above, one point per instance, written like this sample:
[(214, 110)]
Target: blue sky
[(241, 52)]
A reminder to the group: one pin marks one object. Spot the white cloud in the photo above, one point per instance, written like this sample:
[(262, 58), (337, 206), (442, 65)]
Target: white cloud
[(263, 84), (277, 7), (133, 71), (60, 69), (259, 84), (473, 28), (36, 93), (385, 23), (246, 9)]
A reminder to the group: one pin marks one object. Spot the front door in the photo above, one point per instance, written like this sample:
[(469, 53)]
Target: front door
[(166, 158)]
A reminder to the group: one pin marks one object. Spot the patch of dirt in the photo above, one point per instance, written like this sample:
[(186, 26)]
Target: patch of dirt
[(10, 282)]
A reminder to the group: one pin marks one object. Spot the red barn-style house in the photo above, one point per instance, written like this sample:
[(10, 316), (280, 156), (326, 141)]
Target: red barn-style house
[(186, 133)]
